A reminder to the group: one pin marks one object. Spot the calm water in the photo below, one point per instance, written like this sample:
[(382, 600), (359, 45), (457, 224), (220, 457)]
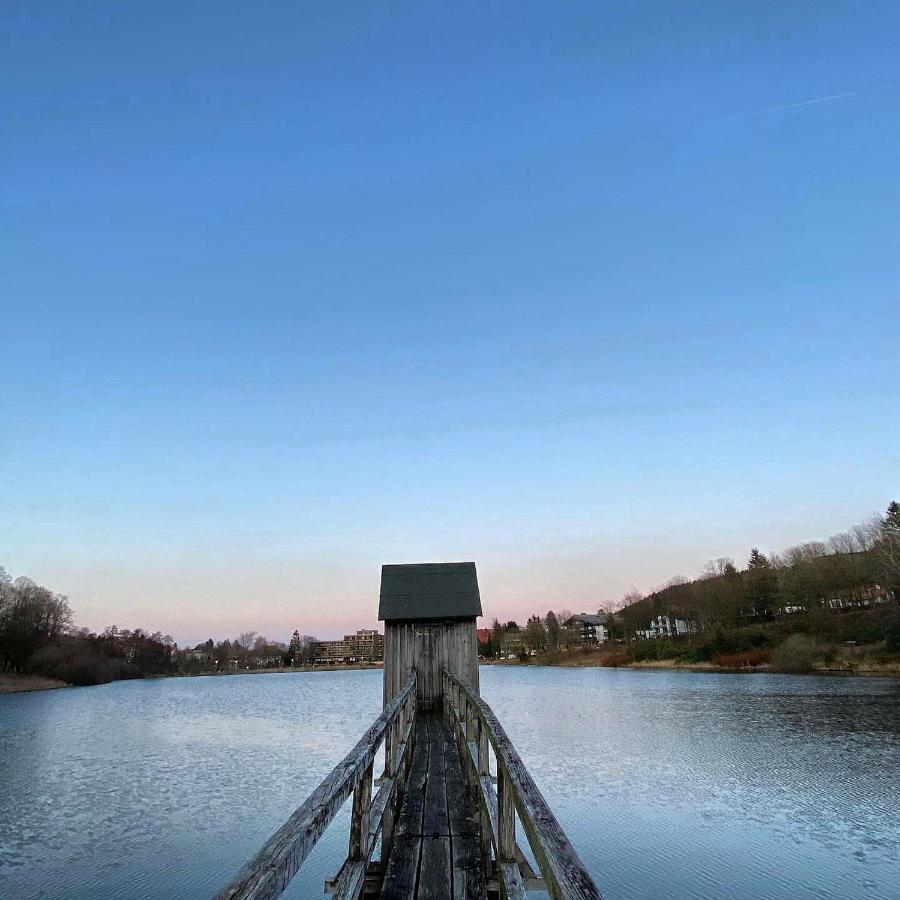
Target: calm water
[(669, 784)]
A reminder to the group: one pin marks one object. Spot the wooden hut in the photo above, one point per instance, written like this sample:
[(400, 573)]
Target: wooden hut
[(429, 612)]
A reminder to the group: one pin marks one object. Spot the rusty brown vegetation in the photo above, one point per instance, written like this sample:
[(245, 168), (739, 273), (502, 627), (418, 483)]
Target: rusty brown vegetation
[(614, 660), (747, 659)]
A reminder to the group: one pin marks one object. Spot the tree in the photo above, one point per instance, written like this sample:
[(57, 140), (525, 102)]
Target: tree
[(563, 637), (31, 617), (551, 624), (760, 585), (302, 649), (716, 568), (245, 640), (889, 548), (535, 634)]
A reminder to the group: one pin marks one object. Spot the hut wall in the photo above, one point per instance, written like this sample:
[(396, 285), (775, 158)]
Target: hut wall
[(430, 647)]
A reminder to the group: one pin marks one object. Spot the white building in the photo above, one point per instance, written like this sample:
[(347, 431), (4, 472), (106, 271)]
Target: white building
[(668, 626)]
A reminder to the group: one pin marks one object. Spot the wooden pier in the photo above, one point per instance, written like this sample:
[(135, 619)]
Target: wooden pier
[(436, 827)]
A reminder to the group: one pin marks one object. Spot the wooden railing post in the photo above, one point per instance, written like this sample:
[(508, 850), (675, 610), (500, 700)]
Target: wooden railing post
[(484, 771), (359, 822), (389, 753), (506, 816)]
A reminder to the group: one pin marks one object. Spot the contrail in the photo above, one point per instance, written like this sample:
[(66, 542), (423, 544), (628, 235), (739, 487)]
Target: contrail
[(814, 101)]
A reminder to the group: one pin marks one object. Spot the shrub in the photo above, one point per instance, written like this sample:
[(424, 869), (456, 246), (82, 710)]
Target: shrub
[(745, 659), (892, 633), (80, 664), (796, 653), (657, 648), (615, 659)]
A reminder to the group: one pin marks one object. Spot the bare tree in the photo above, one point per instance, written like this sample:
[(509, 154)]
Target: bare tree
[(245, 640), (717, 567)]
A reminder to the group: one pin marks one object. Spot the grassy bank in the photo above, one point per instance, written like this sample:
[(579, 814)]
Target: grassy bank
[(14, 684), (347, 668), (813, 659)]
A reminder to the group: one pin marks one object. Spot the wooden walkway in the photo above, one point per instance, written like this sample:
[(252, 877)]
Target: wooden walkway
[(437, 837), (443, 829)]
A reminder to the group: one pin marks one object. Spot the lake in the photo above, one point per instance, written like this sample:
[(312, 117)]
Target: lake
[(669, 784)]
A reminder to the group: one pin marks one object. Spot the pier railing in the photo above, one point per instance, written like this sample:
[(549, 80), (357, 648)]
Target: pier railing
[(562, 874), (267, 875)]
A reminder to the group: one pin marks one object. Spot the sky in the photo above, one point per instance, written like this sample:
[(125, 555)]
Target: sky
[(589, 293)]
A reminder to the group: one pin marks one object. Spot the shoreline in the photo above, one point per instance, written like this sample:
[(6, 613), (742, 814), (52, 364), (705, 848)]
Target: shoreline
[(11, 683), (14, 683), (19, 684), (887, 670)]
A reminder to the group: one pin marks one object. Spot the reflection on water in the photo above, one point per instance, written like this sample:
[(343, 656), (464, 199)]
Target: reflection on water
[(670, 785)]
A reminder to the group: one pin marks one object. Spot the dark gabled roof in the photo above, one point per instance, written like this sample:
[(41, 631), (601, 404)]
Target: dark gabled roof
[(589, 618), (429, 591)]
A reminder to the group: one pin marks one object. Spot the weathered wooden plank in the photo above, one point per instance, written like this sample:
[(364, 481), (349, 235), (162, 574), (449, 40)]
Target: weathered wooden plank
[(268, 873), (402, 870), (460, 809), (412, 809), (436, 821), (506, 816), (531, 879), (467, 870), (435, 882), (359, 818), (511, 885), (350, 880)]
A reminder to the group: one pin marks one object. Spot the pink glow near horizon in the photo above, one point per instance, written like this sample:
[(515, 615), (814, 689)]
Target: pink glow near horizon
[(205, 592)]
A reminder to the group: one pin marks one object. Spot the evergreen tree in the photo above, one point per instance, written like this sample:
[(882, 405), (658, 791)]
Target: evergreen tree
[(760, 584), (535, 634), (551, 623), (889, 549), (892, 516)]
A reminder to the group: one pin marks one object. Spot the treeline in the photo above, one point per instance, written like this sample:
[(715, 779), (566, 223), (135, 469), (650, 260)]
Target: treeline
[(248, 650), (796, 607), (540, 634), (32, 618), (38, 636), (858, 569)]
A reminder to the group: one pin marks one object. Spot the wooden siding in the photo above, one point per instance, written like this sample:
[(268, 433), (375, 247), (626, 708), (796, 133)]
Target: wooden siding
[(429, 647)]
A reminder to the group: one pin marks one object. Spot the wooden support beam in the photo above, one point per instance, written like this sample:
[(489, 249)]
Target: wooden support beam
[(359, 819), (506, 817)]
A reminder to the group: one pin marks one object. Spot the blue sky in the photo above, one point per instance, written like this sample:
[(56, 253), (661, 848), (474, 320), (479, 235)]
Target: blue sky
[(589, 293)]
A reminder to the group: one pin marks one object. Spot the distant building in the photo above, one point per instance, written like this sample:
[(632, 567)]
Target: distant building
[(512, 643), (668, 626), (269, 661), (867, 597), (591, 629), (364, 646)]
